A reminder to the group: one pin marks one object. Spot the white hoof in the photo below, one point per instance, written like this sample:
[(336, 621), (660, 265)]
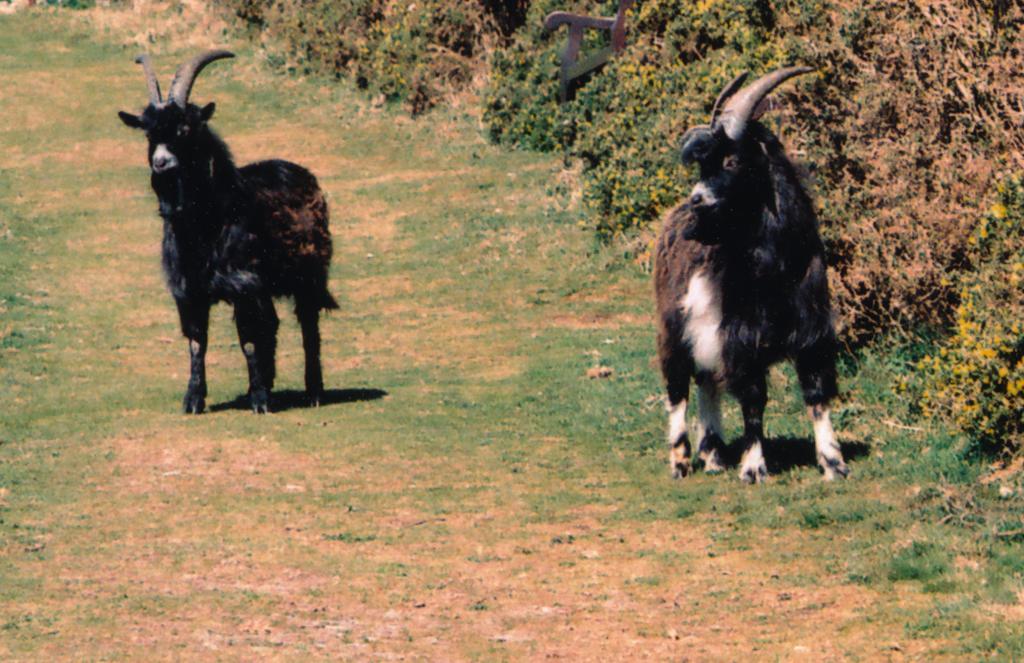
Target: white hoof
[(753, 468)]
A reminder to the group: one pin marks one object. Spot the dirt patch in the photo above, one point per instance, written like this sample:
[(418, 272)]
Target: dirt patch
[(182, 460), (283, 140), (432, 337), (404, 176), (504, 368), (92, 154), (610, 321), (373, 224), (376, 288)]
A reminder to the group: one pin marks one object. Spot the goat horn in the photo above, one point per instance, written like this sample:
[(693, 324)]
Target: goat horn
[(727, 92), (181, 86), (740, 108), (691, 132), (151, 82)]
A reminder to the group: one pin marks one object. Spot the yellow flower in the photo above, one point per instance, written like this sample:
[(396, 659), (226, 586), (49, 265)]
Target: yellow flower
[(999, 211)]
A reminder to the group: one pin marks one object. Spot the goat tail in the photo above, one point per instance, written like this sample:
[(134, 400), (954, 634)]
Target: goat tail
[(327, 301)]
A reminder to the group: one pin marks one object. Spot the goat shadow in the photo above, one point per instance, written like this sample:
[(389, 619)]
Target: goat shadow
[(782, 454), (293, 399)]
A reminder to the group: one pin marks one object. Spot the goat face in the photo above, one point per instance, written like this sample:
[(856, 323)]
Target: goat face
[(734, 168), (732, 176), (173, 127), (173, 134)]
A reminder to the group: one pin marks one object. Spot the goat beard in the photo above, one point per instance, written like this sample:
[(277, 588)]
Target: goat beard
[(177, 192), (704, 228)]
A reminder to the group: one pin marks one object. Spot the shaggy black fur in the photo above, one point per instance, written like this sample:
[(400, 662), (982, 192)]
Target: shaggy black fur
[(237, 235), (751, 230)]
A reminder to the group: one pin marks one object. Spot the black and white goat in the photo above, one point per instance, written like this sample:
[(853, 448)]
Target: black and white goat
[(740, 284), (239, 235)]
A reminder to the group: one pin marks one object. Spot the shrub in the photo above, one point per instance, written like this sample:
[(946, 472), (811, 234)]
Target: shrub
[(911, 112), (414, 52), (977, 378)]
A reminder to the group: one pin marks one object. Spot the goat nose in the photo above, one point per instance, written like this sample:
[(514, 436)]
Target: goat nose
[(159, 163), (697, 198)]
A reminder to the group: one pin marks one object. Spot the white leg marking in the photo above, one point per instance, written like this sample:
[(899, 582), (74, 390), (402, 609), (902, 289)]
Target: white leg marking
[(829, 456), (709, 407), (703, 310), (676, 421), (752, 467), (678, 443)]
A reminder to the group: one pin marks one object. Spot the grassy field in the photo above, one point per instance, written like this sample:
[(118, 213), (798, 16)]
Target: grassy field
[(466, 493)]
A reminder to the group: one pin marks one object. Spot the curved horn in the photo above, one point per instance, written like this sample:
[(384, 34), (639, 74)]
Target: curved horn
[(727, 92), (181, 86), (151, 82), (691, 132), (695, 143), (739, 109)]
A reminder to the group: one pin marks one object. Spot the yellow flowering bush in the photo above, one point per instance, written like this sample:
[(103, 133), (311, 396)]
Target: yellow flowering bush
[(977, 377)]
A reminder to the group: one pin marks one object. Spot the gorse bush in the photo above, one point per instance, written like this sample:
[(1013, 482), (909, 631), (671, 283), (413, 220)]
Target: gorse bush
[(413, 52), (977, 377), (913, 108)]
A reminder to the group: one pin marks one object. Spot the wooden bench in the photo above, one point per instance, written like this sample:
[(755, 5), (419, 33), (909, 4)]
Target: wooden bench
[(573, 67)]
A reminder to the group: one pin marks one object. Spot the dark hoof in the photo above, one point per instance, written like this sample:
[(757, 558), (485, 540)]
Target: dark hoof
[(833, 468), (315, 398), (679, 457), (260, 401), (712, 461), (193, 403), (756, 473)]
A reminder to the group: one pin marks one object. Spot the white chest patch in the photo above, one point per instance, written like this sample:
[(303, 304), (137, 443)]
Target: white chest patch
[(703, 312)]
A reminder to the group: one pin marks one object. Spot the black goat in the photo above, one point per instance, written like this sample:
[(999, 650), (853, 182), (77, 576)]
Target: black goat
[(740, 284), (239, 235)]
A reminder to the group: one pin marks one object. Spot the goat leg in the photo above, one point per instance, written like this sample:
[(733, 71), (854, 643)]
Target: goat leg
[(257, 326), (830, 458), (816, 369), (709, 408), (753, 398), (195, 319), (676, 368), (309, 319)]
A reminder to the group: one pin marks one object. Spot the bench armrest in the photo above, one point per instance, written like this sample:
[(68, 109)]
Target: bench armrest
[(557, 19)]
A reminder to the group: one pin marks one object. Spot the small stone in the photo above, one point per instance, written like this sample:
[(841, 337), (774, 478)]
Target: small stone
[(1006, 492), (599, 372)]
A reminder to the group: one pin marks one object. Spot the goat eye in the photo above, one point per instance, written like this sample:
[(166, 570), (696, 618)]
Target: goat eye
[(731, 162)]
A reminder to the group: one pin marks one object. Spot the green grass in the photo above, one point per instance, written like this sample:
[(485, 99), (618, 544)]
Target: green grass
[(495, 503)]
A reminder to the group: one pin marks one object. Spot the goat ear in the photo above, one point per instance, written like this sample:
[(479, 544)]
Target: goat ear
[(206, 112), (133, 121)]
